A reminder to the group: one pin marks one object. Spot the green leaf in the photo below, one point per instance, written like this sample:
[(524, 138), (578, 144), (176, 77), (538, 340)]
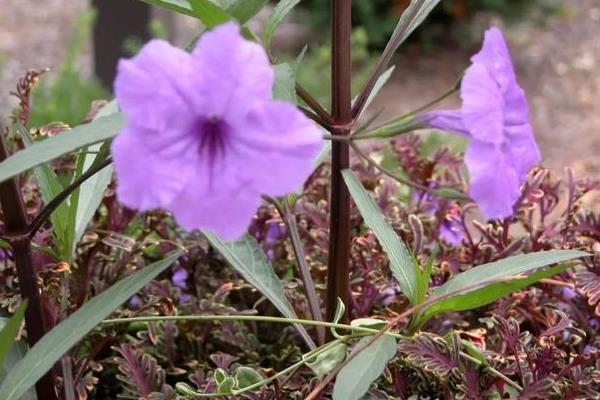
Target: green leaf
[(285, 83), (10, 331), (379, 84), (401, 261), (325, 362), (65, 335), (179, 6), (281, 10), (248, 258), (356, 377), (209, 13), (243, 10), (489, 282), (91, 192), (246, 376), (411, 18), (50, 186), (340, 310), (64, 143)]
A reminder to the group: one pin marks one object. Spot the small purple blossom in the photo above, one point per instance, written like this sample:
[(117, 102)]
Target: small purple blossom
[(179, 278), (451, 228), (495, 117), (203, 137)]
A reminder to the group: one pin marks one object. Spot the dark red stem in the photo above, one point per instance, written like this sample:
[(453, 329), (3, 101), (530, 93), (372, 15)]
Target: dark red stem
[(15, 221), (341, 104)]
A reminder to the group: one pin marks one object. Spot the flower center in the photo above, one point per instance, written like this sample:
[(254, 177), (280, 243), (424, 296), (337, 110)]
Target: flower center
[(213, 136)]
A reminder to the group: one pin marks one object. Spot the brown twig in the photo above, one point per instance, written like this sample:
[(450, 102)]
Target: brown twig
[(341, 100), (15, 220)]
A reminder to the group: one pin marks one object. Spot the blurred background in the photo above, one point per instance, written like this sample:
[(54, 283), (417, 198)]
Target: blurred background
[(554, 44)]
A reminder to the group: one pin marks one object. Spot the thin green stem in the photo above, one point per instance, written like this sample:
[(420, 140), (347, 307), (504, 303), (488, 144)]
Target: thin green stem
[(246, 318)]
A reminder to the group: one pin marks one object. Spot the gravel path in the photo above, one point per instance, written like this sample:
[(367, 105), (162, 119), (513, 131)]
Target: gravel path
[(558, 64)]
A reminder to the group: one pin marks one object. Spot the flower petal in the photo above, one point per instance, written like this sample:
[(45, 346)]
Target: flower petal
[(226, 213), (146, 178), (232, 71), (151, 87), (446, 120), (522, 149), (482, 105), (494, 55), (277, 145), (494, 183)]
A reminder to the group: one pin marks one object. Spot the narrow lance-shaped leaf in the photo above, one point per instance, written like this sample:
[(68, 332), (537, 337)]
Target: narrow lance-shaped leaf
[(381, 81), (281, 10), (9, 331), (209, 13), (248, 258), (410, 19), (489, 282), (285, 83), (59, 145), (65, 335), (91, 191), (356, 377), (401, 262)]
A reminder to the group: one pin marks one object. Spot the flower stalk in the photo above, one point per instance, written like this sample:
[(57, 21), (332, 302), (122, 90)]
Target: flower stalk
[(341, 104)]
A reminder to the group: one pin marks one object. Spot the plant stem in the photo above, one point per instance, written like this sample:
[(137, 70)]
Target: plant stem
[(15, 220), (341, 100)]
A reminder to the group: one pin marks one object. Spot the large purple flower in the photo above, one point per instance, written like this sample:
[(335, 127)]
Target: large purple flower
[(203, 137), (495, 116)]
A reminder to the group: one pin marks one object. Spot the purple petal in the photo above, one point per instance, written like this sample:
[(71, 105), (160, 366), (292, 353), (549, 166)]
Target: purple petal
[(516, 110), (494, 183), (482, 105), (446, 120), (151, 87), (232, 71), (225, 212), (147, 179), (179, 277), (521, 149), (494, 55), (276, 147)]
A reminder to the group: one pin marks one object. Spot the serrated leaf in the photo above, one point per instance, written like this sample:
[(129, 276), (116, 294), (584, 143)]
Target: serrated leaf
[(248, 258), (281, 10), (354, 380), (56, 146), (66, 334), (401, 261)]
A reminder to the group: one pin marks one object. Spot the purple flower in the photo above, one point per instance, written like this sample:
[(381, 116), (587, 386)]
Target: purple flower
[(203, 137), (451, 229), (495, 117), (179, 278)]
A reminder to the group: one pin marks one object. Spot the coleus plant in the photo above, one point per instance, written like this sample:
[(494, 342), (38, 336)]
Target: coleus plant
[(210, 134)]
